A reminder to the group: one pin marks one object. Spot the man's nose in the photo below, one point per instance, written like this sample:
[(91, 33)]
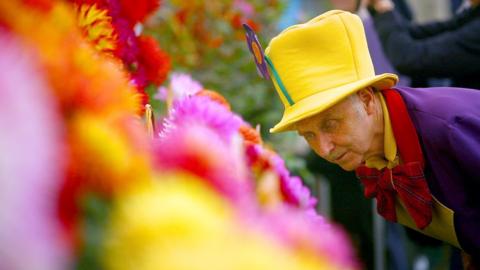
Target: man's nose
[(324, 146)]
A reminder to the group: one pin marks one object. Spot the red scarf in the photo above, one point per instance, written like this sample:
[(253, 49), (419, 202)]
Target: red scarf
[(407, 180)]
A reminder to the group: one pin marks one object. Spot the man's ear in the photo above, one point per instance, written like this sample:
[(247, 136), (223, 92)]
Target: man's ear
[(367, 97)]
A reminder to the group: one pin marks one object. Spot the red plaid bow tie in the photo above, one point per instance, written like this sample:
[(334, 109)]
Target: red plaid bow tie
[(406, 180)]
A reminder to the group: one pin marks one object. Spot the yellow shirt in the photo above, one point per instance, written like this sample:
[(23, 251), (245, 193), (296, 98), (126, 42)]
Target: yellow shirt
[(442, 226)]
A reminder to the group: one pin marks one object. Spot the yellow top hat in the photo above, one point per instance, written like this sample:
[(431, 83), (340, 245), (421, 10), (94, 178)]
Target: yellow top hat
[(316, 64)]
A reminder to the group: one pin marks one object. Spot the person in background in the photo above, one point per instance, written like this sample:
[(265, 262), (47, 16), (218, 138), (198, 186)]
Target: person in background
[(449, 49), (414, 152)]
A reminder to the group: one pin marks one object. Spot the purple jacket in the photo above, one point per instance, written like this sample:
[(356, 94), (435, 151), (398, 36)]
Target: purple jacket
[(448, 125)]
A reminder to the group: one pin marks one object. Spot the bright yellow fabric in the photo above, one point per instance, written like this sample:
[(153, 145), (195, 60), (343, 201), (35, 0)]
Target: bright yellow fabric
[(390, 159), (320, 62), (442, 226)]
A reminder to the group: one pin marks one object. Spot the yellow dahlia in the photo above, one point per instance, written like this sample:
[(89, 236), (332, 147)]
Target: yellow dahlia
[(97, 27)]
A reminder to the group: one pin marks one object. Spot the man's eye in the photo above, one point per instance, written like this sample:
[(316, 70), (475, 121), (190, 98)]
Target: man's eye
[(330, 125), (308, 136)]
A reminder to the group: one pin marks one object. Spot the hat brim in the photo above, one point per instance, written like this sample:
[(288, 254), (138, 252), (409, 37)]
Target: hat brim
[(323, 100)]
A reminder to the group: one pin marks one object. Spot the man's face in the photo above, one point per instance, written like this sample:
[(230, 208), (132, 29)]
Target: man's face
[(342, 134)]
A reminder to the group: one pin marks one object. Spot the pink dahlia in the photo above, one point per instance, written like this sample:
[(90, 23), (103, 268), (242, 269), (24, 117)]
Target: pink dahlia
[(203, 111), (292, 187), (182, 85), (313, 234), (293, 191), (30, 165), (200, 150)]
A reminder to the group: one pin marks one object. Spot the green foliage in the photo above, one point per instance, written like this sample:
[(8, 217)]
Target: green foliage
[(206, 40), (95, 212)]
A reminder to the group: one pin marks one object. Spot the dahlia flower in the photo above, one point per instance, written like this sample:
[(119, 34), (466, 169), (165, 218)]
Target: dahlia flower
[(152, 60), (138, 10), (294, 193), (30, 164), (310, 233), (204, 111), (180, 223), (202, 151), (181, 85), (97, 27)]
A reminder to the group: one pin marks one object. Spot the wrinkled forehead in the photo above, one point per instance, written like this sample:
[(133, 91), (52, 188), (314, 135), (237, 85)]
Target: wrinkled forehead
[(338, 110), (316, 119), (310, 123)]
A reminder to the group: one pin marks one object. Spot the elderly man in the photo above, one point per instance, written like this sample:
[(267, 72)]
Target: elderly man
[(416, 151)]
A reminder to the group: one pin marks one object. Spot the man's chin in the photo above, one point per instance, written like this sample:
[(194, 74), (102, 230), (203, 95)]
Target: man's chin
[(351, 166), (347, 168)]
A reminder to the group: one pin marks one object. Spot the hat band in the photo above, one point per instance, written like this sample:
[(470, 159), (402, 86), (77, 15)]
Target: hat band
[(279, 81)]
